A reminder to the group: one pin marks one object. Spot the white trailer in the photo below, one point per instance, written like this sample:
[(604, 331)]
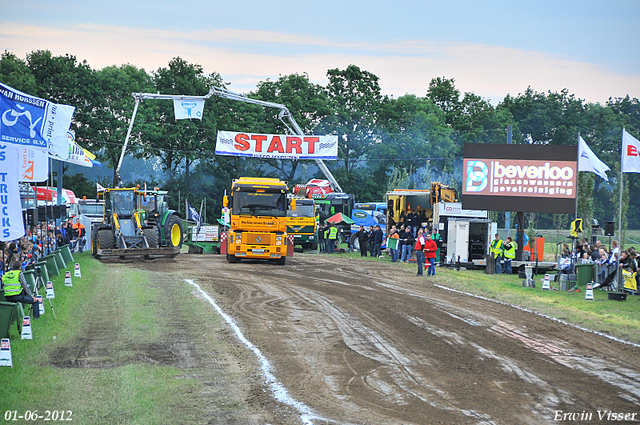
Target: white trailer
[(466, 234)]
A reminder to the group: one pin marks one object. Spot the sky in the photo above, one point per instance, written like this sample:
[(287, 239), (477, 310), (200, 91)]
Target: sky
[(490, 48)]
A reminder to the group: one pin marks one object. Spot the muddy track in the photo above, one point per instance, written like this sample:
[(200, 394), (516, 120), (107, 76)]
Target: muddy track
[(368, 342)]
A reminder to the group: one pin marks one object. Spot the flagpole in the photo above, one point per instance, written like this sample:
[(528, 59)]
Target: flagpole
[(621, 184), (577, 174)]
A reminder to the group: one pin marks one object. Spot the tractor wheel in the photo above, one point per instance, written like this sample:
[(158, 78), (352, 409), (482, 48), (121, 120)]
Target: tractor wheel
[(173, 231), (106, 239), (152, 237), (232, 258), (94, 241)]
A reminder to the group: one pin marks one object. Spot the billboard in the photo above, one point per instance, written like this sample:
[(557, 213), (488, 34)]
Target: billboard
[(531, 178)]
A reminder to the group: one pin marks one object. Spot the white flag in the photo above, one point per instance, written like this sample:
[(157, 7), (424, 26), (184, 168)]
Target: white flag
[(588, 161), (630, 153), (99, 187), (188, 108), (34, 165), (11, 223)]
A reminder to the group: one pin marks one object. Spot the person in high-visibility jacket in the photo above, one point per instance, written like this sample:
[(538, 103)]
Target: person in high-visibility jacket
[(16, 289), (496, 251), (510, 247), (332, 236)]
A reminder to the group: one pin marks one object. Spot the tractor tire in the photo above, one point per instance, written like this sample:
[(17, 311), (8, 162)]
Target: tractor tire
[(152, 237), (94, 241), (232, 258), (173, 231), (106, 239)]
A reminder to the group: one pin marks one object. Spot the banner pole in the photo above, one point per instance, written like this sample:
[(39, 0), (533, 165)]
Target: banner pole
[(621, 184), (577, 175)]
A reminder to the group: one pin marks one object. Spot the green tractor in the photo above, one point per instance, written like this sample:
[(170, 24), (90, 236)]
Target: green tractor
[(136, 223), (154, 211)]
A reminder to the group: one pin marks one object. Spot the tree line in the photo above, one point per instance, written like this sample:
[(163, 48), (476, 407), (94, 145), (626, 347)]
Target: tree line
[(384, 142)]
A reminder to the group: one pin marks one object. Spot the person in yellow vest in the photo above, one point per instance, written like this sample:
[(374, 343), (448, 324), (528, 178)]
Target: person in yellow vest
[(16, 289), (510, 247), (332, 236), (496, 253)]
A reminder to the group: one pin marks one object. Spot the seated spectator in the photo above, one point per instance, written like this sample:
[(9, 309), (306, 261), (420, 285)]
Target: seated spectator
[(16, 289)]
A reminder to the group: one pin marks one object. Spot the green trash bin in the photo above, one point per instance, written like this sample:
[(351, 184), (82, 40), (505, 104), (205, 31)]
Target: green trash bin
[(30, 277), (43, 270), (52, 265), (585, 273), (66, 254), (62, 265)]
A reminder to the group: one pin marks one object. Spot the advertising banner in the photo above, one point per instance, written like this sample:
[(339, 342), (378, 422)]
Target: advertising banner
[(11, 223), (280, 146), (503, 177), (34, 165), (185, 109), (529, 178), (29, 121)]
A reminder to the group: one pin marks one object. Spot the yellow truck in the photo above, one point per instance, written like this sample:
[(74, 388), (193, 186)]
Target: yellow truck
[(258, 227)]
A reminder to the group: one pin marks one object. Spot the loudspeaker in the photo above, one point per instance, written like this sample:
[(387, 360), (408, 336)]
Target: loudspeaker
[(608, 228)]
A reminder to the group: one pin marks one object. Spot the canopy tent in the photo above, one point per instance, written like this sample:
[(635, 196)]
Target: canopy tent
[(340, 218)]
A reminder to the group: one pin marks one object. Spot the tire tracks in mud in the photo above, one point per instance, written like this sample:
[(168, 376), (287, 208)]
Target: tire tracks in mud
[(368, 342)]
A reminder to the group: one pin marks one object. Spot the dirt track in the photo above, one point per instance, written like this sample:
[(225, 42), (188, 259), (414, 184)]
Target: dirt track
[(369, 342)]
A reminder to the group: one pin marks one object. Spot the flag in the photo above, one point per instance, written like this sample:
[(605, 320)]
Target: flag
[(188, 108), (32, 122), (11, 223), (200, 217), (588, 161), (630, 153), (192, 214), (99, 187), (34, 165)]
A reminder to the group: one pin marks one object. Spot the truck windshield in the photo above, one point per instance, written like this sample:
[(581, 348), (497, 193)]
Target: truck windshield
[(259, 203), (302, 211), (90, 209), (122, 202)]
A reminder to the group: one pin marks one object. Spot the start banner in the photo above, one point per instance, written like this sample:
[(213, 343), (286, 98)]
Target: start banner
[(280, 146)]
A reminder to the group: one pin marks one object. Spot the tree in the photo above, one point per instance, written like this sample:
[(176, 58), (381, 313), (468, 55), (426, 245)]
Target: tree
[(103, 130), (15, 73), (355, 100), (183, 141), (307, 102)]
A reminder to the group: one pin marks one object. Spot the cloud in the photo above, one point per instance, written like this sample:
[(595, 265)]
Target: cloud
[(245, 57)]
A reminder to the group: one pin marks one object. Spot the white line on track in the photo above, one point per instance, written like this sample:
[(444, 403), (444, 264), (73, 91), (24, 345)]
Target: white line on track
[(541, 315), (277, 389)]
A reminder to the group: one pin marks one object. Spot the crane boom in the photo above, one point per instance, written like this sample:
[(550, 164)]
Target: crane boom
[(226, 94)]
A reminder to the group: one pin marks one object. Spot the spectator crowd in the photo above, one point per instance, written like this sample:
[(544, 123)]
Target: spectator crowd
[(41, 240)]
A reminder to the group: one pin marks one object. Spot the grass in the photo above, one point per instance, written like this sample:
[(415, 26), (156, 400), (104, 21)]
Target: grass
[(616, 318), (113, 309)]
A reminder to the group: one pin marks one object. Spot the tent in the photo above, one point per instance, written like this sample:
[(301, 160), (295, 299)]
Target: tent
[(340, 218)]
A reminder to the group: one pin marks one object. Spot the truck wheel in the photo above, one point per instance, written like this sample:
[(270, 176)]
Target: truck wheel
[(173, 231), (152, 237), (232, 258), (314, 246), (281, 261), (106, 239)]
